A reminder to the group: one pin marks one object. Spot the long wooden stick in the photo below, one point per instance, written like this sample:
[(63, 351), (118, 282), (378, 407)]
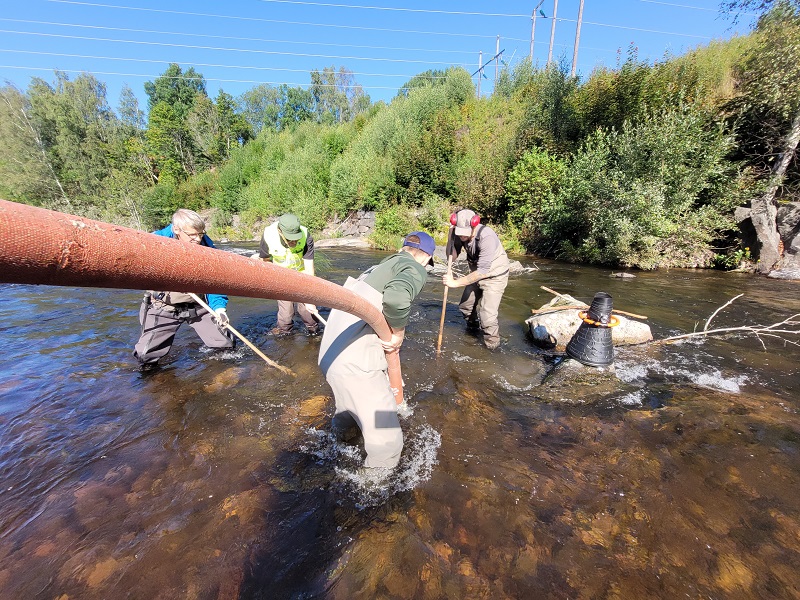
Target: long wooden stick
[(228, 326), (444, 307), (619, 312), (318, 316)]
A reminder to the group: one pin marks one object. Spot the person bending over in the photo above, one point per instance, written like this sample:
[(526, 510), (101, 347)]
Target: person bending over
[(488, 276), (353, 359), (162, 313), (288, 244)]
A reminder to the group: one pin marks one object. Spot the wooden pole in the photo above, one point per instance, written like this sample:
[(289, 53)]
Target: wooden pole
[(533, 29), (228, 326), (577, 40), (444, 306), (552, 33), (318, 317)]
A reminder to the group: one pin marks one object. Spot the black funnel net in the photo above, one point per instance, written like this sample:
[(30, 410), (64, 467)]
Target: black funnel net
[(592, 345), (601, 307)]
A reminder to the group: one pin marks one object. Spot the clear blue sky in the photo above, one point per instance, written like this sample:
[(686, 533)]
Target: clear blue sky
[(240, 43)]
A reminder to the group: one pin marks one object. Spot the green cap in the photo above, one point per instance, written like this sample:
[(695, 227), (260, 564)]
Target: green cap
[(289, 226)]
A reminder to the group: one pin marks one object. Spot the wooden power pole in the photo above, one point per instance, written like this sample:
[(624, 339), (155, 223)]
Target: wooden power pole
[(577, 41), (480, 71), (552, 33), (533, 28), (496, 61)]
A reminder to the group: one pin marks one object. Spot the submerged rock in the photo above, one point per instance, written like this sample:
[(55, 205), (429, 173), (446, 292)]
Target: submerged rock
[(554, 324), (574, 383)]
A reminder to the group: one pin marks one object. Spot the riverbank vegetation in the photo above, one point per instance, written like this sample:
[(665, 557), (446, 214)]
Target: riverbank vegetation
[(642, 165)]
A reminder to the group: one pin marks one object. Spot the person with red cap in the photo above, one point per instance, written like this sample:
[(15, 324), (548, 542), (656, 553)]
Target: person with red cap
[(353, 359), (488, 276)]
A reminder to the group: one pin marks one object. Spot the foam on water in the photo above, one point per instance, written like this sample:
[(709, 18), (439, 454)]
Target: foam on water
[(510, 387), (695, 373), (216, 354), (372, 487), (632, 399)]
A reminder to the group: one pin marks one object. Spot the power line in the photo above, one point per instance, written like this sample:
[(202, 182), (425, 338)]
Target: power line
[(230, 37), (716, 10), (679, 5), (701, 37), (413, 10), (262, 20), (192, 64), (243, 50)]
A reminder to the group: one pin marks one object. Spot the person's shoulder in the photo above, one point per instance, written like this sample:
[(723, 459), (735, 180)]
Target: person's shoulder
[(487, 231), (408, 264), (165, 232)]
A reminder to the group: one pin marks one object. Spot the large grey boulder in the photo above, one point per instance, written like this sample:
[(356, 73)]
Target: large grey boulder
[(553, 326)]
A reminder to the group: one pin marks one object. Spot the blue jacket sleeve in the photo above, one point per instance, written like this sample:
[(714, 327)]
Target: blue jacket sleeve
[(215, 301)]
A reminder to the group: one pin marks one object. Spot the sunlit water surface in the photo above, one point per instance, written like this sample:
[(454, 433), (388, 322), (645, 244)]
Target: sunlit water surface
[(216, 476)]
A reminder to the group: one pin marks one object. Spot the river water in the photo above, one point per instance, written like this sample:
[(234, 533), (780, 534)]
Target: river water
[(215, 476)]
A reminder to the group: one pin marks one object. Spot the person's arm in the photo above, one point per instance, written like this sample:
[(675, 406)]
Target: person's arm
[(486, 245), (263, 251), (473, 277)]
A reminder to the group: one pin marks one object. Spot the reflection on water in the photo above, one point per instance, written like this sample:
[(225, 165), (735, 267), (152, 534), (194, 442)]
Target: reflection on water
[(215, 476)]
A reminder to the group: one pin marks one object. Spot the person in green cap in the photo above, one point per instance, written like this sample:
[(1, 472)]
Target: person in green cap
[(289, 244)]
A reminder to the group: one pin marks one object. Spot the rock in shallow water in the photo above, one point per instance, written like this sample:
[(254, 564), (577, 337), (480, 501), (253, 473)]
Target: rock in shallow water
[(553, 326)]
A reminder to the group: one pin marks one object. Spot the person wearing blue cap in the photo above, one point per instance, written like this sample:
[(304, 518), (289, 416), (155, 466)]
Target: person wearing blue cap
[(353, 359)]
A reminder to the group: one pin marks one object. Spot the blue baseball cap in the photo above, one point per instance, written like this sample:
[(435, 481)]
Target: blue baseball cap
[(426, 243)]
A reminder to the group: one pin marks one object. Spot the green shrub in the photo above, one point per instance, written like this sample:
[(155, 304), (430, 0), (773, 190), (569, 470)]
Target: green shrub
[(391, 225), (656, 193), (531, 188)]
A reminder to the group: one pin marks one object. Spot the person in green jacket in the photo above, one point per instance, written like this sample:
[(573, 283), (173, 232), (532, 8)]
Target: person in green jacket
[(353, 359)]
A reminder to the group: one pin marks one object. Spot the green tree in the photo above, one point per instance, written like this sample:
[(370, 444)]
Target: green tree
[(338, 98), (550, 119), (260, 107), (429, 78), (296, 106), (768, 107), (170, 143), (177, 88), (26, 167), (77, 128)]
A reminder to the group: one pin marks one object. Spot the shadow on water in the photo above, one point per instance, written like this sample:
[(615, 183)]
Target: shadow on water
[(215, 476)]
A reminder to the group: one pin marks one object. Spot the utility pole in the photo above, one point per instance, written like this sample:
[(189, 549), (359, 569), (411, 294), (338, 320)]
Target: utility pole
[(480, 71), (496, 61), (482, 65), (577, 41), (533, 27), (552, 33)]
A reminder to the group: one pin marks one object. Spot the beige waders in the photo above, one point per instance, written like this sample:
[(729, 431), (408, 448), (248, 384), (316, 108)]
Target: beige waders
[(353, 361)]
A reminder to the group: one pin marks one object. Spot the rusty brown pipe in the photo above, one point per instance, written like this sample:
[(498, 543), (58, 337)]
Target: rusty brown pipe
[(39, 246)]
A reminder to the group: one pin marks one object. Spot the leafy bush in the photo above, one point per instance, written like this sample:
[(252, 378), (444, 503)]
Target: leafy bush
[(484, 153), (653, 194), (387, 162), (391, 225), (532, 187)]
